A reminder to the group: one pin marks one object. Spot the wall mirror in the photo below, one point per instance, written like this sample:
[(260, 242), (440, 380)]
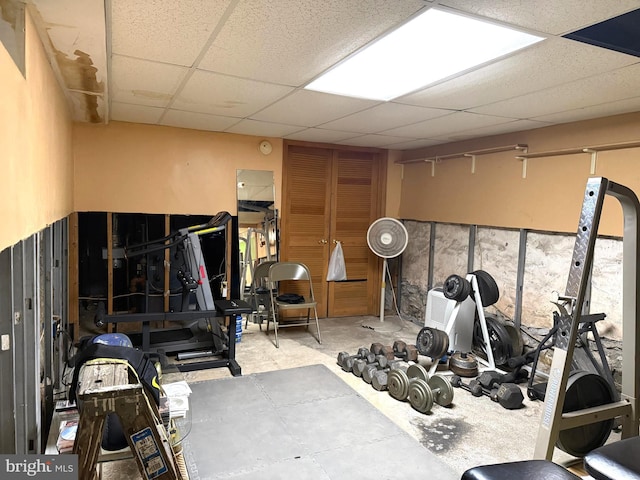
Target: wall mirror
[(257, 222)]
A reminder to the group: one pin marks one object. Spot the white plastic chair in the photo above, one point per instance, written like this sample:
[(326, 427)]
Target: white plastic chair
[(298, 272)]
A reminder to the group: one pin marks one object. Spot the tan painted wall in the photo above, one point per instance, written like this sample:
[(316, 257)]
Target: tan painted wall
[(127, 167), (549, 198), (394, 184), (35, 140)]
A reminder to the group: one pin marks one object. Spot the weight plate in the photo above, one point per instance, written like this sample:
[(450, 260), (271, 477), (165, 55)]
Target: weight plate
[(456, 288), (517, 344), (420, 395), (417, 371), (398, 384), (441, 389), (463, 364), (432, 342), (499, 339), (487, 287), (585, 390)]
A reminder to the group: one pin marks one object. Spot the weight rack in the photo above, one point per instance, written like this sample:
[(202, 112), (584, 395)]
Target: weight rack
[(553, 420)]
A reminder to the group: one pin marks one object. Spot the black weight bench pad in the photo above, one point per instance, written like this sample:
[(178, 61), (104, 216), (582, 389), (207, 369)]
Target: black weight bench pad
[(526, 470), (616, 461)]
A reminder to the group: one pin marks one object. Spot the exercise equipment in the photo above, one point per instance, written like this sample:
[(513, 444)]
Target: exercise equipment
[(361, 364), (346, 361), (381, 377), (555, 419), (457, 310), (508, 395), (370, 370), (398, 380), (407, 353), (424, 393), (615, 461), (525, 470), (463, 364)]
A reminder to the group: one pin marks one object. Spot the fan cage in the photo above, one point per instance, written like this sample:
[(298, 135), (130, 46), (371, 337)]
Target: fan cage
[(387, 237)]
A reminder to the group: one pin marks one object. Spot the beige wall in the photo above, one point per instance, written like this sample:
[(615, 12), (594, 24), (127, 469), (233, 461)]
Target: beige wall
[(126, 167), (550, 196), (35, 145), (394, 184)]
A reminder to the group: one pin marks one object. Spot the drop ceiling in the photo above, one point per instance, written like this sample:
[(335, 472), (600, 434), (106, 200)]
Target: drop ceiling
[(239, 66)]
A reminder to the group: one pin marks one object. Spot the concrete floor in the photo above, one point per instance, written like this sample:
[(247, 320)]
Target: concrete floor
[(472, 431)]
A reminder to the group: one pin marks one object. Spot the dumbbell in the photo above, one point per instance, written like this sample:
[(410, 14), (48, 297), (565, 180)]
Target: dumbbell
[(346, 361), (380, 378), (491, 379), (422, 394), (398, 380), (508, 395), (360, 365), (380, 349), (408, 353), (371, 369)]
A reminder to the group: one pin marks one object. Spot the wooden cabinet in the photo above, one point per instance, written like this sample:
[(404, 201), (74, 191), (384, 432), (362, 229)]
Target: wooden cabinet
[(334, 193)]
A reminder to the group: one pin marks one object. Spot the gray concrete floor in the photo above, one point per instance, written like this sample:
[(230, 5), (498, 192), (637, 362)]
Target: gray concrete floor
[(472, 431)]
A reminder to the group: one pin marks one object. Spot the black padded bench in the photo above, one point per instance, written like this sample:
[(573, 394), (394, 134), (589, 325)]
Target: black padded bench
[(525, 470), (616, 461)]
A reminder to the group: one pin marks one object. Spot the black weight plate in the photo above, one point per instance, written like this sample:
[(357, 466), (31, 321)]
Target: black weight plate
[(585, 390), (517, 344), (456, 288), (501, 342), (432, 342), (488, 288)]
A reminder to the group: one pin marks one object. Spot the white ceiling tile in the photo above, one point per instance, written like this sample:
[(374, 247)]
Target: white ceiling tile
[(413, 144), (545, 64), (144, 82), (609, 87), (373, 140), (216, 94), (509, 127), (383, 117), (197, 121), (550, 16), (263, 129), (125, 112), (291, 41), (603, 110), (452, 123), (310, 109), (170, 32), (320, 135)]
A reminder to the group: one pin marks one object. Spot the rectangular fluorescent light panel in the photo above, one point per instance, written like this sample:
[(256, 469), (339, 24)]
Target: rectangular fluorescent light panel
[(434, 45)]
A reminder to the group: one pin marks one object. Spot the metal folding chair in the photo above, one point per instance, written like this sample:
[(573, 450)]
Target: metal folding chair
[(298, 280), (259, 292)]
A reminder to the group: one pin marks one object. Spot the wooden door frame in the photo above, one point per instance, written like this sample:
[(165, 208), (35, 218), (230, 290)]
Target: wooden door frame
[(376, 263)]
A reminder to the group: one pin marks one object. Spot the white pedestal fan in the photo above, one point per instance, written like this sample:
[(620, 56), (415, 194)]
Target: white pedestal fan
[(387, 238)]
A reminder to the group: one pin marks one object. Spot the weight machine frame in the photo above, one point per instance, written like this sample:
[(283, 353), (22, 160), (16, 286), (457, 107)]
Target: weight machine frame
[(208, 333), (553, 420), (489, 363)]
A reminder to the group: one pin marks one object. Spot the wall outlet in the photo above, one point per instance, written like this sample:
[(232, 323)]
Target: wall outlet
[(6, 342)]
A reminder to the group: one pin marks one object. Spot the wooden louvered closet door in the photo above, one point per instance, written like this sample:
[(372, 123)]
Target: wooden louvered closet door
[(334, 194)]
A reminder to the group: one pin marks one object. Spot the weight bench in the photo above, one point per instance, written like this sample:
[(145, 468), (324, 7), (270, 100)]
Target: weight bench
[(525, 470), (615, 461)]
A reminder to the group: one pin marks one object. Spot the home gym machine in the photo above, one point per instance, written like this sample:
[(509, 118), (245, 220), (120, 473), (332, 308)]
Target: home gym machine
[(455, 323), (199, 333), (588, 421)]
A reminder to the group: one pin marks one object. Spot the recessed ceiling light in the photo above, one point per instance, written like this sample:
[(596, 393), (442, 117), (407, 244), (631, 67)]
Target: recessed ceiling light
[(430, 47)]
